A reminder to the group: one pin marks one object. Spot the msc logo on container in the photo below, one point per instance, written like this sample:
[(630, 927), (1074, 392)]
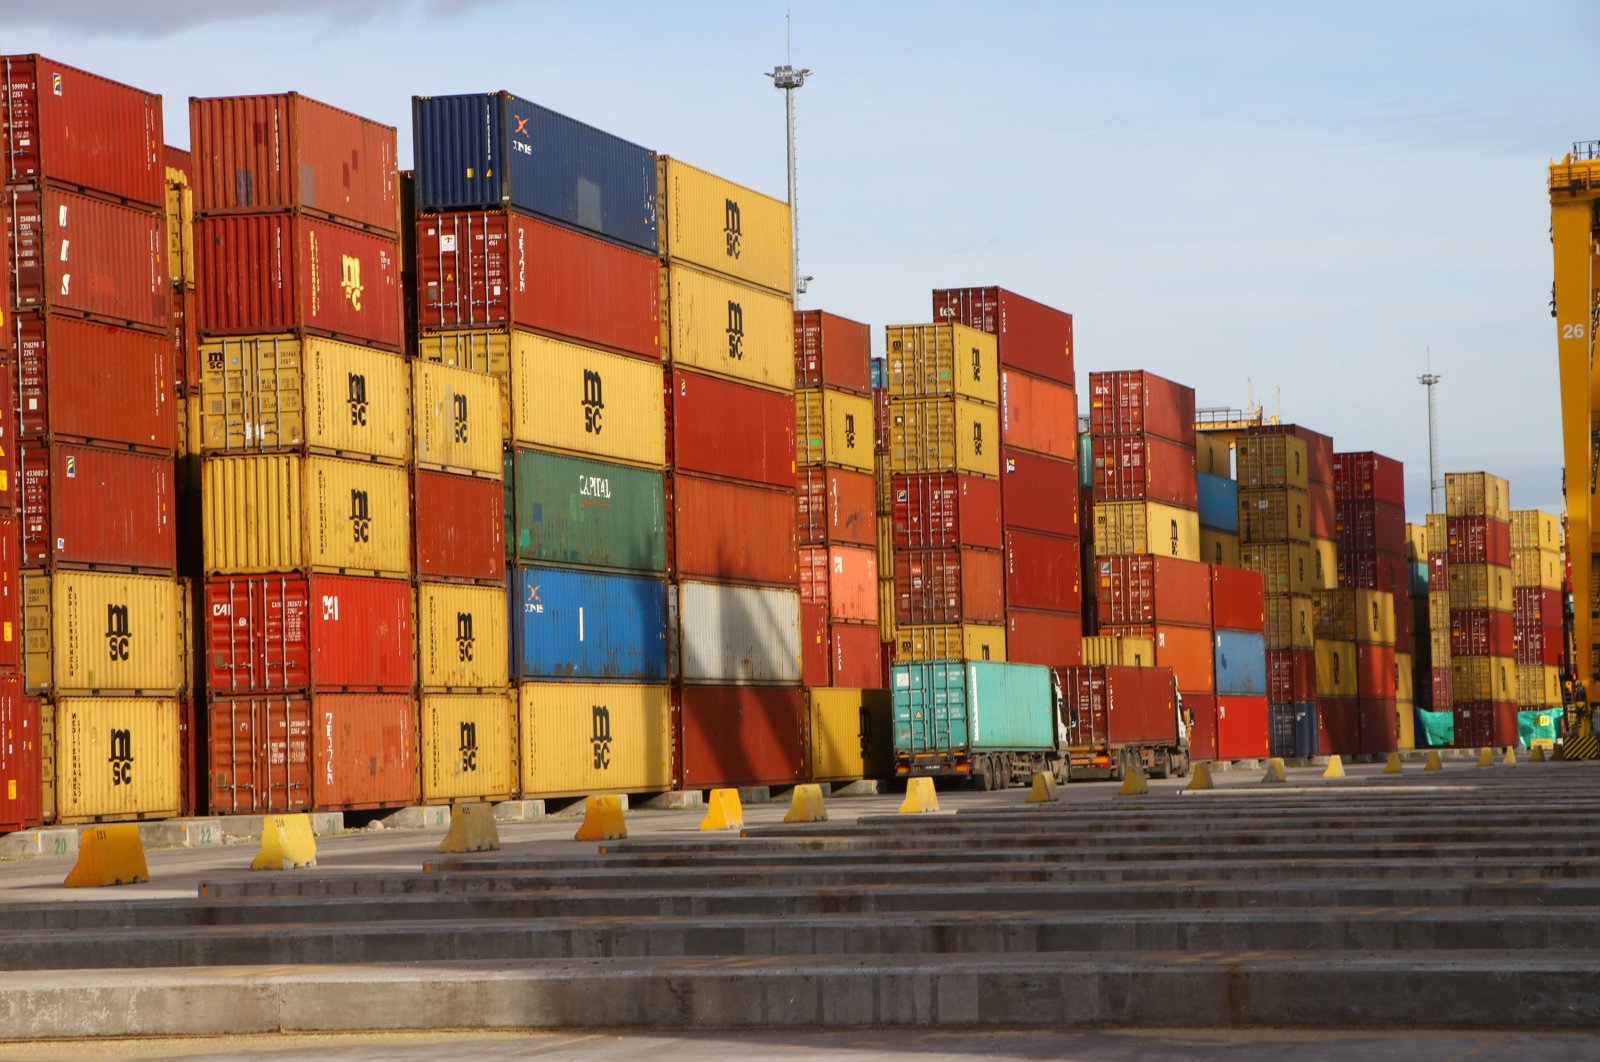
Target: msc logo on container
[(1174, 524), (356, 385), (600, 736), (977, 365), (850, 431), (360, 516), (350, 279), (735, 331), (119, 637), (593, 401), (121, 757), (469, 746), (730, 226), (458, 417), (464, 639), (977, 438)]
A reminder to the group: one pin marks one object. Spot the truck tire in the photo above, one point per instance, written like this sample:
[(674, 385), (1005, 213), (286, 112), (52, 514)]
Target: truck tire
[(1164, 764), (1062, 769), (982, 778)]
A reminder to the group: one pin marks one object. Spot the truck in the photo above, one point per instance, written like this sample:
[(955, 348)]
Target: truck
[(995, 723), (1116, 715)]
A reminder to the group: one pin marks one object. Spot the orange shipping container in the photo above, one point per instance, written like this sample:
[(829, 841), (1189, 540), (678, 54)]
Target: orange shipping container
[(843, 578), (1038, 416), (1186, 650)]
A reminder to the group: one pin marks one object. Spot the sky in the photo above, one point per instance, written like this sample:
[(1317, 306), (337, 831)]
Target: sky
[(1313, 204)]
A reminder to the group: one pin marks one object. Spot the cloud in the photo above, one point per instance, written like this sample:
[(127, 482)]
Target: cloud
[(161, 18)]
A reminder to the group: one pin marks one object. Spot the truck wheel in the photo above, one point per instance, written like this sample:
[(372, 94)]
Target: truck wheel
[(1063, 771), (1183, 764), (982, 780), (1164, 763)]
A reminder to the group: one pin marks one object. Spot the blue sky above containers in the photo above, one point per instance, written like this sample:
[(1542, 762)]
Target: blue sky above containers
[(1306, 199)]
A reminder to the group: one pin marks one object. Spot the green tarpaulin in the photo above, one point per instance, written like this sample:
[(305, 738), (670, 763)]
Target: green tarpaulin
[(1435, 730), (1537, 724)]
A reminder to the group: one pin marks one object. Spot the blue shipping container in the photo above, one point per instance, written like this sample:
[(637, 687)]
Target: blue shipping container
[(1280, 729), (570, 623), (944, 707), (1219, 503), (1241, 663), (880, 374), (1305, 728), (1085, 461), (495, 149)]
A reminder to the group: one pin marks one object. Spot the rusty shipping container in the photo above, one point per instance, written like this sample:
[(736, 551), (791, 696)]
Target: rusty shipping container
[(1188, 651), (1039, 493), (843, 579), (945, 586), (835, 505), (945, 509), (20, 757), (831, 351), (1141, 588), (730, 532), (10, 594), (84, 381), (1369, 476), (739, 735), (271, 153), (1140, 403), (460, 527), (1030, 336), (731, 430), (88, 506), (1143, 468), (855, 655), (1054, 639), (1238, 600), (1043, 572)]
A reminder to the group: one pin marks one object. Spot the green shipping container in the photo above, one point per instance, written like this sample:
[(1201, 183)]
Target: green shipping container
[(573, 510), (949, 707)]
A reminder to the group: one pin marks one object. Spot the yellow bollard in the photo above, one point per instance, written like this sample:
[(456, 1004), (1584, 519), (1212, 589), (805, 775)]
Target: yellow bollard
[(1510, 758), (1393, 765), (805, 804), (286, 843), (1200, 779), (723, 812), (108, 855), (1538, 754), (1433, 763), (1044, 789), (1275, 772), (1134, 780), (920, 797), (1485, 757), (472, 829), (602, 820), (1335, 768)]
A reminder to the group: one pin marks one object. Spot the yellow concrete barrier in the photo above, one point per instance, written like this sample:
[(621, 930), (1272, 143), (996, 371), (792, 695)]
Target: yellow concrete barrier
[(1134, 781), (1393, 764), (1510, 758), (286, 842), (1335, 768), (1433, 763), (1537, 755), (1044, 789), (1200, 779), (108, 855), (602, 820), (921, 797), (472, 829), (723, 811), (1485, 757), (1275, 772), (805, 804)]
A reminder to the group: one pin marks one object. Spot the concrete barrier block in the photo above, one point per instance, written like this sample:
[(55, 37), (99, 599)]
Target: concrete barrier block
[(60, 842), (672, 800), (723, 811), (428, 817), (1200, 778), (108, 855), (286, 843), (182, 833), (806, 805), (862, 787), (602, 820), (519, 811), (921, 798), (472, 829), (1275, 772), (1335, 768), (1044, 790)]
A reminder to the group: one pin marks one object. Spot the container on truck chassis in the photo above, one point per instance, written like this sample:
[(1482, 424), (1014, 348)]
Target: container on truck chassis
[(992, 722), (1113, 714)]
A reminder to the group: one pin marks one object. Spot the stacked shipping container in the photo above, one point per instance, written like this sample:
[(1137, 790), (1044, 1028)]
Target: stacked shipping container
[(1414, 689), (1537, 631), (1483, 669), (1369, 495)]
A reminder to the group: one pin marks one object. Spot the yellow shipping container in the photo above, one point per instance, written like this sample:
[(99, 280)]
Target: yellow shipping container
[(1146, 527), (1406, 723), (1480, 586), (1417, 542), (1336, 668), (941, 361), (116, 758), (469, 746), (1538, 687), (189, 446), (726, 328), (883, 486), (581, 738), (1439, 645), (461, 636), (585, 401), (722, 226), (486, 350), (1219, 547), (1477, 494), (852, 735), (284, 512), (1213, 453), (887, 600), (1439, 610), (833, 428), (1272, 461), (1483, 678), (1362, 616), (282, 391), (1290, 621), (1536, 567), (1404, 678), (947, 435), (1438, 529), (104, 632), (1110, 650), (1325, 561), (1274, 514), (949, 642), (1532, 529), (180, 229), (1285, 567), (885, 544), (457, 419)]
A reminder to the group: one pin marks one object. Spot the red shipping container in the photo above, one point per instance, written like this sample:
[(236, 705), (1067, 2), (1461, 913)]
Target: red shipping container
[(1030, 336), (730, 532), (831, 351), (185, 341), (1142, 588), (295, 632), (95, 383), (1478, 540), (936, 586), (732, 430), (1319, 453), (1338, 726), (1369, 476), (1375, 672), (20, 752), (71, 127), (835, 506), (1485, 724), (1186, 650), (1038, 416), (1039, 493), (1374, 571), (459, 528), (1405, 640), (290, 273), (1438, 572), (10, 593), (1534, 604), (738, 735), (1141, 403), (189, 763), (1481, 632), (6, 302), (479, 269), (90, 258), (934, 509), (880, 420), (1291, 676), (1442, 683), (1109, 707), (84, 506), (1241, 724), (1054, 639), (843, 579), (1364, 526), (1238, 599), (1380, 725), (856, 656), (814, 661), (1043, 572), (366, 752), (262, 154), (1144, 468), (1201, 708), (10, 467)]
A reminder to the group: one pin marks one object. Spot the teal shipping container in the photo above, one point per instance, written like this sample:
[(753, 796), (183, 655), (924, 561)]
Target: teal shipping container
[(1085, 461), (575, 510), (950, 707), (1419, 578)]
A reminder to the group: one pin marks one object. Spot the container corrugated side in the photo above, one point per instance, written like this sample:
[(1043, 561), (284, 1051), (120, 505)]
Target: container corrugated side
[(83, 256), (725, 227), (1032, 337), (585, 401), (1146, 527), (460, 527), (738, 634), (93, 382), (832, 351), (971, 641), (573, 510), (727, 328), (288, 391), (457, 419), (461, 637), (944, 435), (1477, 494), (733, 533), (584, 738), (1038, 416), (941, 361), (468, 746), (1241, 663), (572, 624), (258, 756), (730, 429), (116, 758), (365, 752), (103, 632), (739, 735), (950, 707), (851, 734), (97, 506), (282, 512), (831, 429)]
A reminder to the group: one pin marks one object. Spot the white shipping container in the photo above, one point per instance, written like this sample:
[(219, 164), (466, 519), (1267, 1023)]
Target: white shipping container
[(738, 634)]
